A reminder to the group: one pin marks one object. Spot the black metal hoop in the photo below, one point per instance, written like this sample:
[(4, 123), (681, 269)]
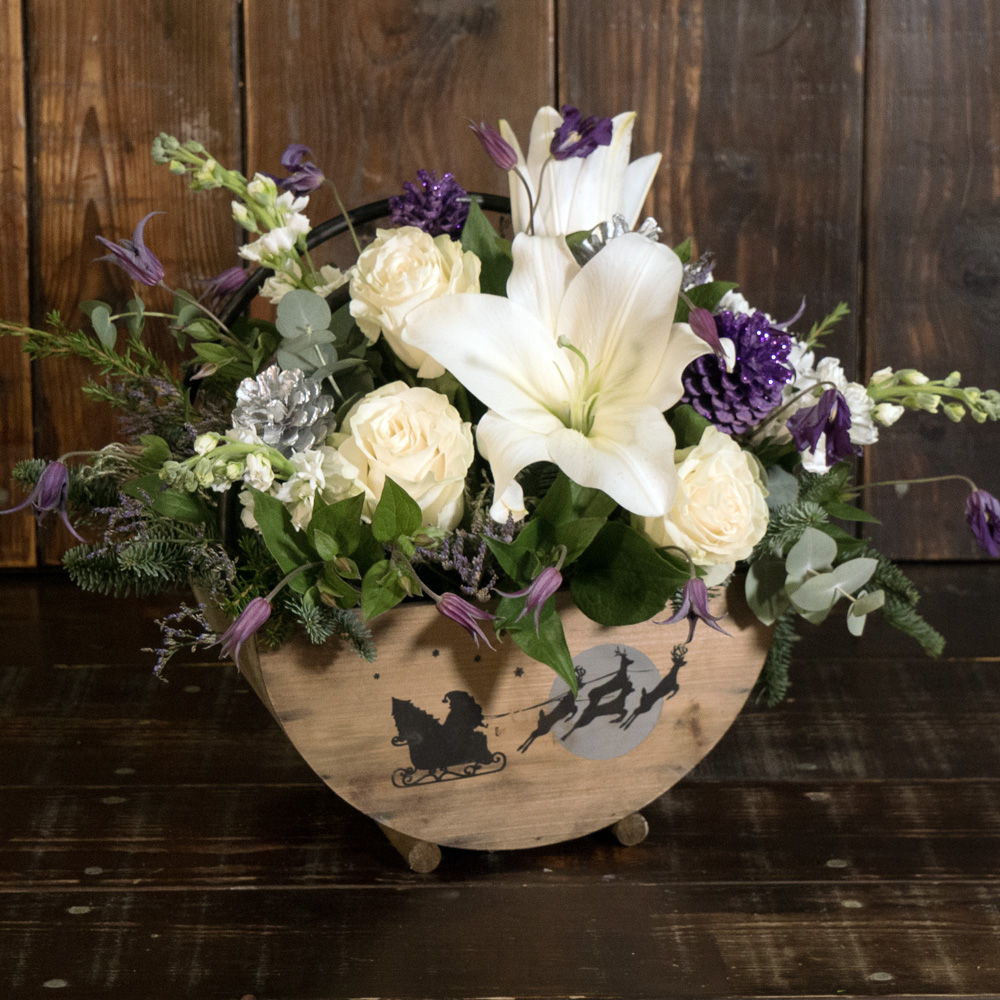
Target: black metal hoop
[(240, 299)]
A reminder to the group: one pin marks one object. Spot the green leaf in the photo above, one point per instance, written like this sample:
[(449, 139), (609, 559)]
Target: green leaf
[(332, 584), (548, 644), (684, 250), (215, 353), (181, 507), (155, 451), (519, 558), (687, 424), (302, 312), (397, 513), (138, 488), (482, 239), (567, 500), (577, 535), (202, 329), (136, 322), (765, 588), (380, 590), (705, 296), (289, 547), (325, 545), (188, 313), (621, 579), (340, 522), (100, 319), (846, 512)]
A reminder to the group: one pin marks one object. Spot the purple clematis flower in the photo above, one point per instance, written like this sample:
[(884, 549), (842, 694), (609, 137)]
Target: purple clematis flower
[(703, 323), (303, 175), (49, 494), (495, 146), (467, 615), (538, 592), (694, 607), (222, 284), (579, 136), (982, 511), (250, 619), (438, 207), (830, 416), (133, 256)]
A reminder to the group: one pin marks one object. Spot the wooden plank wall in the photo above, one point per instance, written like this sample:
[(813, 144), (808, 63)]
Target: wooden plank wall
[(840, 150)]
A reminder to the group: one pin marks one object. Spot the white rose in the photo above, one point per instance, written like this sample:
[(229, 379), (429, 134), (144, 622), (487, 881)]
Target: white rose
[(322, 471), (399, 271), (720, 512), (416, 438)]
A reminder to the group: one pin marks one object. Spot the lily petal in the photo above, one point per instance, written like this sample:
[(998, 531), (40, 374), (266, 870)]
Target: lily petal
[(627, 455), (543, 269), (499, 351), (509, 449), (638, 180)]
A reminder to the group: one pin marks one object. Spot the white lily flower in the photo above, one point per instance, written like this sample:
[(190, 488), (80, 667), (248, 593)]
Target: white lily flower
[(577, 194), (576, 366)]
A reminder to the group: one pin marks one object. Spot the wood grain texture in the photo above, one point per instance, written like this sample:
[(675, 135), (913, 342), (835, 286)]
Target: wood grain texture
[(474, 749), (105, 78), (932, 271), (757, 109), (17, 532), (381, 88), (166, 839)]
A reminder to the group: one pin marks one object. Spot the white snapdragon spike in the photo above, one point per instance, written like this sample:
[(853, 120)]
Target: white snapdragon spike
[(577, 193), (576, 365)]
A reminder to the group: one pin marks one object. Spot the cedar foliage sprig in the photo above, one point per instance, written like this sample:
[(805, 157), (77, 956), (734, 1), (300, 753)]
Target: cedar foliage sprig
[(772, 685)]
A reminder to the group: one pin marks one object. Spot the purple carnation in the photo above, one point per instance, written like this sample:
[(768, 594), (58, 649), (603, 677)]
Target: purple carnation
[(739, 400), (435, 206)]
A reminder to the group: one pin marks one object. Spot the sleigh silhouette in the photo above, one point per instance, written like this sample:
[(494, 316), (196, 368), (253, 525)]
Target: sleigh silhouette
[(443, 751)]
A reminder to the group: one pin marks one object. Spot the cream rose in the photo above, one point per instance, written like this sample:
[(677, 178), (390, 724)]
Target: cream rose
[(399, 271), (720, 512), (416, 438)]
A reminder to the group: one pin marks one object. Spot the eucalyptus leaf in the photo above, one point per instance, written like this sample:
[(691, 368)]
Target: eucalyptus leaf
[(818, 593), (853, 575), (88, 307), (866, 604), (813, 552), (856, 623), (137, 320), (782, 488), (100, 320), (302, 312)]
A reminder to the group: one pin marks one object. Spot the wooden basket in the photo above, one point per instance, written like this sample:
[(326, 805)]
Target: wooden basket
[(474, 748)]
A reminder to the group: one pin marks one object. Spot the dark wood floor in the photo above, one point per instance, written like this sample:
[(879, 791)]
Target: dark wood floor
[(164, 841)]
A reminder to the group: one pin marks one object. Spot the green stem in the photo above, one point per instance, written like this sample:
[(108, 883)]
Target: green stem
[(295, 572), (914, 482), (346, 215)]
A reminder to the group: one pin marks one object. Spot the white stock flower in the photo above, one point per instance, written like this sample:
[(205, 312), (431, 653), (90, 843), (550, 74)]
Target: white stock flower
[(258, 472), (415, 437), (282, 282), (246, 514), (577, 193), (720, 512), (322, 471), (576, 365), (400, 270)]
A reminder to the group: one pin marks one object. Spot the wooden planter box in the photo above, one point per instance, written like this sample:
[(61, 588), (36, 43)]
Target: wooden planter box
[(449, 744)]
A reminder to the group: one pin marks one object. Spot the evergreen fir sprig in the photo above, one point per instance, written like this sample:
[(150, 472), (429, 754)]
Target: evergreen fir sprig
[(772, 685), (787, 525), (826, 324), (322, 622)]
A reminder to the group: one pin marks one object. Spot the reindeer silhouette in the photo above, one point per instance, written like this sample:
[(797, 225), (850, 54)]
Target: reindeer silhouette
[(665, 689), (616, 690), (565, 709)]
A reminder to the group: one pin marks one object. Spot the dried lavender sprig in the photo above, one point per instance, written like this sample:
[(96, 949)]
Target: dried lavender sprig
[(177, 639)]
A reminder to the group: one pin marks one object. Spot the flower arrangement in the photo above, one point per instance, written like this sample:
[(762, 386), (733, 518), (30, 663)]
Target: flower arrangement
[(478, 420)]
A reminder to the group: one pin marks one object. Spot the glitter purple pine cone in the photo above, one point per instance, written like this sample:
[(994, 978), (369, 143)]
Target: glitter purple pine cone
[(436, 206), (739, 400)]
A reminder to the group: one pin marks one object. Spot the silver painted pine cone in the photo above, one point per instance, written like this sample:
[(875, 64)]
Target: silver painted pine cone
[(287, 410)]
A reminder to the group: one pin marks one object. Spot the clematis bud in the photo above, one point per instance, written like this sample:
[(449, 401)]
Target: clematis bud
[(982, 511), (831, 416), (49, 494), (134, 257), (250, 619), (694, 607), (538, 592), (303, 176), (467, 615), (702, 322), (495, 145)]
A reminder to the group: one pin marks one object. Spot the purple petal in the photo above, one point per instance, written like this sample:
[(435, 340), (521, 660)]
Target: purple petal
[(250, 619), (495, 146), (578, 136), (982, 511), (133, 256), (294, 154), (702, 322)]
